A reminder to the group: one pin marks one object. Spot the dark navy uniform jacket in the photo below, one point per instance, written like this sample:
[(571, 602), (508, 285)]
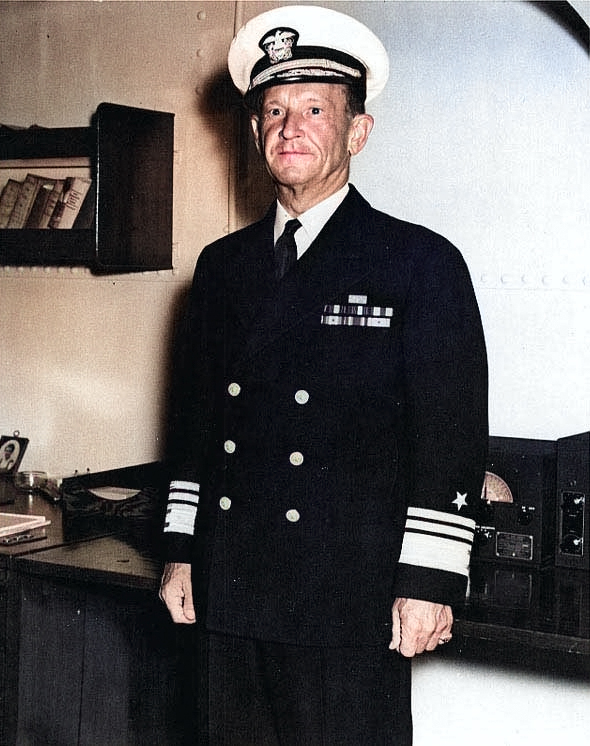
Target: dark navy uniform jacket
[(333, 430)]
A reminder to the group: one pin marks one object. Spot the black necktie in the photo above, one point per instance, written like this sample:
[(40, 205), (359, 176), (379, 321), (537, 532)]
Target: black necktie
[(286, 248)]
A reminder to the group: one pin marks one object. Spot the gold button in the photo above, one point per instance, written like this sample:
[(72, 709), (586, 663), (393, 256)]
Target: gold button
[(301, 396), (292, 515), (234, 389), (296, 458), (225, 503), (229, 446)]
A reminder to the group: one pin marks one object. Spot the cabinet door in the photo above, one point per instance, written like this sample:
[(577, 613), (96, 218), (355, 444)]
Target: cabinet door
[(100, 667), (134, 188), (131, 690), (51, 666), (5, 680)]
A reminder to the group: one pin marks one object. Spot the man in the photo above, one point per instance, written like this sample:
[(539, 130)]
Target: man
[(334, 421)]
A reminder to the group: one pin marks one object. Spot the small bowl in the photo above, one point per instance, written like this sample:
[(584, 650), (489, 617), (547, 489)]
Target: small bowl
[(30, 480)]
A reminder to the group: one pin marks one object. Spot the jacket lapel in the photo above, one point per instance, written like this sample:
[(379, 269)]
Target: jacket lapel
[(338, 258), (249, 284)]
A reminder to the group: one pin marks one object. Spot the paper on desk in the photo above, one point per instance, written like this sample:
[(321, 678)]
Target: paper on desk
[(115, 493), (14, 523)]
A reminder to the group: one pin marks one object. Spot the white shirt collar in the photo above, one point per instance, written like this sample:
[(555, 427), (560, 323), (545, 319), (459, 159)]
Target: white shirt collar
[(312, 220)]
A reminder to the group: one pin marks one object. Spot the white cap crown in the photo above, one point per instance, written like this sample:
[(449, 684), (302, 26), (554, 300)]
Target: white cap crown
[(307, 43)]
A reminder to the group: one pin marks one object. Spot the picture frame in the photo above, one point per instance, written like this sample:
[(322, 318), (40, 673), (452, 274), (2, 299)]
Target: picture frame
[(12, 450)]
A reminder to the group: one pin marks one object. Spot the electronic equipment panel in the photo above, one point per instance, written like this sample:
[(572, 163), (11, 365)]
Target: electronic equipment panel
[(516, 523), (572, 535)]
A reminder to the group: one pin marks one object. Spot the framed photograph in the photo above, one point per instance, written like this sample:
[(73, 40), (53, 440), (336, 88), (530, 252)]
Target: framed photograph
[(12, 450)]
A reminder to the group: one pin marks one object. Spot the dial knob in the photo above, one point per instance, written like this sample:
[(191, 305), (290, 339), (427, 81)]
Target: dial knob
[(495, 489)]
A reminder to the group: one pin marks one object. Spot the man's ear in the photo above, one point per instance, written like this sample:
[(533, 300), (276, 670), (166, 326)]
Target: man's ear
[(360, 129), (255, 124)]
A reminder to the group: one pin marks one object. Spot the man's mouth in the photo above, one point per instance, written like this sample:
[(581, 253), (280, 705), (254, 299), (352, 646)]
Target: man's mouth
[(293, 152)]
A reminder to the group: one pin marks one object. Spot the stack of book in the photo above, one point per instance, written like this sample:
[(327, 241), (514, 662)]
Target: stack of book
[(17, 528), (43, 202)]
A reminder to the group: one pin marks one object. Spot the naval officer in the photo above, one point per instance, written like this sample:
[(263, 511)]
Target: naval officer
[(333, 427)]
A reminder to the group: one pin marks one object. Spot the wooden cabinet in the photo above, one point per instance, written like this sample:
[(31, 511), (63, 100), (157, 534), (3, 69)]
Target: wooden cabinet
[(19, 502), (130, 156), (97, 667), (100, 662), (5, 680)]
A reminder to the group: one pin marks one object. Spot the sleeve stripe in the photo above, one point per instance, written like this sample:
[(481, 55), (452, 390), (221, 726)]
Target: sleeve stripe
[(440, 529), (462, 539), (436, 516), (436, 553), (181, 512), (176, 501), (180, 519), (191, 488), (442, 526), (437, 540)]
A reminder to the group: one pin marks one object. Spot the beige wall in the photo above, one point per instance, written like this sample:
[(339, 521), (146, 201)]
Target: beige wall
[(84, 368)]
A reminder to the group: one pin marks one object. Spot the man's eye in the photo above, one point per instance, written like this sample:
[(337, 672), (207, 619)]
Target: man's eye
[(274, 112), (315, 110)]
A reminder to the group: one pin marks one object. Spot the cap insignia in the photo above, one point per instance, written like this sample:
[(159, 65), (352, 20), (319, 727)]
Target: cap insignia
[(278, 44)]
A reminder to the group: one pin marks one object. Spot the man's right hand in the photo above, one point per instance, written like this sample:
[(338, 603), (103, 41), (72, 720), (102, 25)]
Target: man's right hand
[(176, 592)]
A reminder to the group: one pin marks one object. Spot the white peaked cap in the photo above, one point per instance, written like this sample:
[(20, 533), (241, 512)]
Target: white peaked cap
[(306, 43)]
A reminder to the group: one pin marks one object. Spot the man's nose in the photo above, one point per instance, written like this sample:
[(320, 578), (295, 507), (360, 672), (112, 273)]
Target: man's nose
[(291, 125)]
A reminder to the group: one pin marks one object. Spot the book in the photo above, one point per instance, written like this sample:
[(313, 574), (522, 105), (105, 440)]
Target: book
[(16, 523), (24, 202), (38, 208), (68, 206), (52, 201), (8, 200), (86, 216)]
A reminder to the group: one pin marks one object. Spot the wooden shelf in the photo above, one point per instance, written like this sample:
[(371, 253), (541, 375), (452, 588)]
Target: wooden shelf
[(130, 152)]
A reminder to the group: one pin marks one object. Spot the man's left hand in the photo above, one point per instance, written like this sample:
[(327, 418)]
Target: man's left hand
[(419, 625)]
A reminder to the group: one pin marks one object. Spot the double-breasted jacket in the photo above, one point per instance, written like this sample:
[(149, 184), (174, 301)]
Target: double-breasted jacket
[(332, 432)]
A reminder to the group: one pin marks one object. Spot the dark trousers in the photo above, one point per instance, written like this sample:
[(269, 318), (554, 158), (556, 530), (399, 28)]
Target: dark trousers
[(266, 694)]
